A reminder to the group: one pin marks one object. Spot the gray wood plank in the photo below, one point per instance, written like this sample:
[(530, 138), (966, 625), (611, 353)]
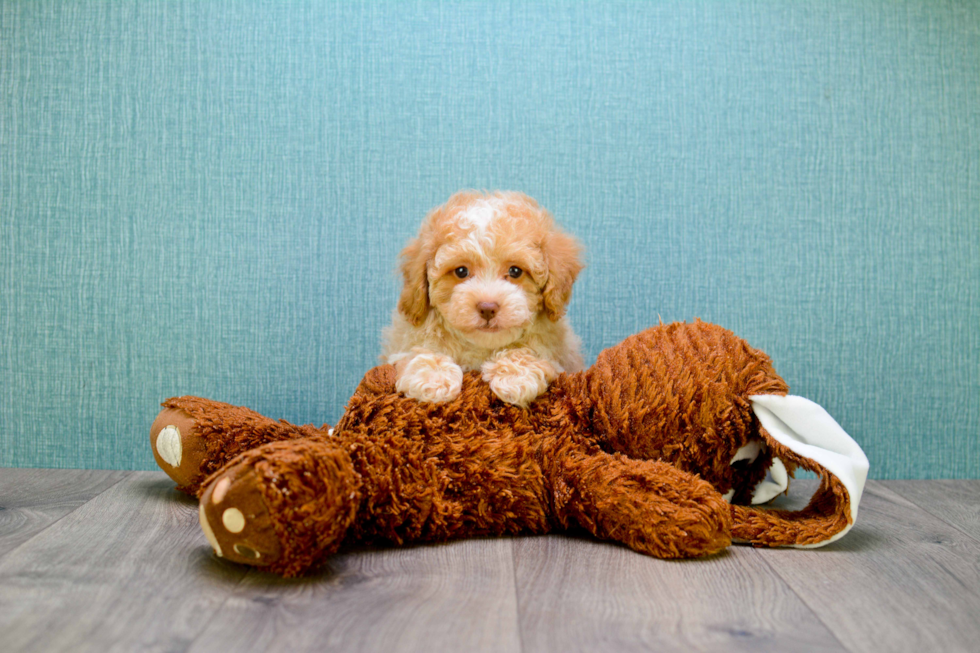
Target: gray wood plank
[(451, 597), (128, 570), (901, 580), (577, 594), (109, 564), (956, 502), (33, 499)]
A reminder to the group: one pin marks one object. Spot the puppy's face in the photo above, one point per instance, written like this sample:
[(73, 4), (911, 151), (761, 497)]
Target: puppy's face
[(484, 278), (489, 265)]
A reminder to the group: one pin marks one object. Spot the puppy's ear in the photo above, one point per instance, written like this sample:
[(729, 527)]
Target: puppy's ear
[(414, 300), (563, 255)]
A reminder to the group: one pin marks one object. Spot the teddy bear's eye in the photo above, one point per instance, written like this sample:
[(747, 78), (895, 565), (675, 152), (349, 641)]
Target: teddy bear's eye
[(461, 272), (514, 272)]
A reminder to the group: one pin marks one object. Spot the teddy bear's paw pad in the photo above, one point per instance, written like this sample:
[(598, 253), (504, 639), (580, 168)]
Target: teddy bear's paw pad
[(168, 445), (176, 445), (236, 521)]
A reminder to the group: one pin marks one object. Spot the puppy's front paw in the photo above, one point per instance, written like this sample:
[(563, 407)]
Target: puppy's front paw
[(518, 377), (428, 377)]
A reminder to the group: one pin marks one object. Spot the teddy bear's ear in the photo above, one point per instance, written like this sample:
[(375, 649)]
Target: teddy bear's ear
[(414, 300), (564, 257)]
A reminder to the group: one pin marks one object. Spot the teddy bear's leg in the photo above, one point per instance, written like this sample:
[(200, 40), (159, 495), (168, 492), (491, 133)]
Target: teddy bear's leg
[(650, 506), (193, 437), (283, 506)]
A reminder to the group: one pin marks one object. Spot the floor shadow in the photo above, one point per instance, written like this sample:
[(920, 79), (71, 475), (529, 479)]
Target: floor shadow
[(161, 487), (225, 572), (859, 539)]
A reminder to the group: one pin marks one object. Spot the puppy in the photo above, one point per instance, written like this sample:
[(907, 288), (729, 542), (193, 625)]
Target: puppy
[(487, 281)]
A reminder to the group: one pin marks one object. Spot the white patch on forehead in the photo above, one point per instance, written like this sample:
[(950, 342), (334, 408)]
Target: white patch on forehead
[(480, 214), (470, 247)]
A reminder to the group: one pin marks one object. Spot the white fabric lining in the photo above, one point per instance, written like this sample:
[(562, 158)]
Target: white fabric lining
[(776, 481), (808, 430)]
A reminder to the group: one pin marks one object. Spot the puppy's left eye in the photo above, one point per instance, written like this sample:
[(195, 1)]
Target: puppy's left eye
[(514, 272)]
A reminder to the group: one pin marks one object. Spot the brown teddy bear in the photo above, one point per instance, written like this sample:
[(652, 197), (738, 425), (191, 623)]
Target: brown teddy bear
[(663, 445)]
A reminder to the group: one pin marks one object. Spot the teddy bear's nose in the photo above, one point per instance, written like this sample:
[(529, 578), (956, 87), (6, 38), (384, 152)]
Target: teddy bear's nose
[(488, 309)]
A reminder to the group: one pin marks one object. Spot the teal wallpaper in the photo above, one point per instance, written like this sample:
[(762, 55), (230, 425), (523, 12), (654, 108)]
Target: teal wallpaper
[(209, 197)]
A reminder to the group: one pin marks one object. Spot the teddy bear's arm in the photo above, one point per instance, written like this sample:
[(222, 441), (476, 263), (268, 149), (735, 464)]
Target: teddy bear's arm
[(650, 506)]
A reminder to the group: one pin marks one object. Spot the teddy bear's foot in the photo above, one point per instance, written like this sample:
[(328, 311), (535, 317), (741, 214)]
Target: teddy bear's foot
[(178, 448), (193, 437), (283, 506), (235, 519)]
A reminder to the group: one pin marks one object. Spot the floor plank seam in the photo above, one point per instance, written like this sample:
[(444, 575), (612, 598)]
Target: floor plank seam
[(804, 601), (127, 474), (228, 596), (517, 597), (217, 611), (809, 606), (925, 509)]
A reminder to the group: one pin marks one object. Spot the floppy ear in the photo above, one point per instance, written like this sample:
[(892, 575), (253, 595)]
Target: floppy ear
[(563, 255), (414, 300)]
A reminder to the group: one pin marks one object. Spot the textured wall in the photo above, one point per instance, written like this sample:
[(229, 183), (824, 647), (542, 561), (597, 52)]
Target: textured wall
[(208, 198)]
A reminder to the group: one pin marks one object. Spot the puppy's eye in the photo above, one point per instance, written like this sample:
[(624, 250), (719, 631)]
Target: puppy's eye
[(514, 272), (461, 272)]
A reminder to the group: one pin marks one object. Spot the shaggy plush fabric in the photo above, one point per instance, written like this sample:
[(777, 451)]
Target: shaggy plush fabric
[(638, 449)]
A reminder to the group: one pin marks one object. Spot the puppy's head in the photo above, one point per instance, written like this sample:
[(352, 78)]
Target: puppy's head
[(489, 264)]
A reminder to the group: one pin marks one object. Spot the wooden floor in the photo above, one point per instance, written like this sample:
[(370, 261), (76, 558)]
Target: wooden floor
[(93, 560)]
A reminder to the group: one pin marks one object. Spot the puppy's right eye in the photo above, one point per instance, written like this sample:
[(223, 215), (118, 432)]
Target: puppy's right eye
[(461, 272)]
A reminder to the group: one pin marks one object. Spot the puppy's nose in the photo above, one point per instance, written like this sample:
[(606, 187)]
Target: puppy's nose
[(488, 309)]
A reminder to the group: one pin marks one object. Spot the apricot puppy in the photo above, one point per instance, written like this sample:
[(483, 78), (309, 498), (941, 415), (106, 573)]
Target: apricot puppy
[(487, 282)]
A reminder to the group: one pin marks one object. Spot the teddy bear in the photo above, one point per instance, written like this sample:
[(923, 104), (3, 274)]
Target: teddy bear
[(666, 445)]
